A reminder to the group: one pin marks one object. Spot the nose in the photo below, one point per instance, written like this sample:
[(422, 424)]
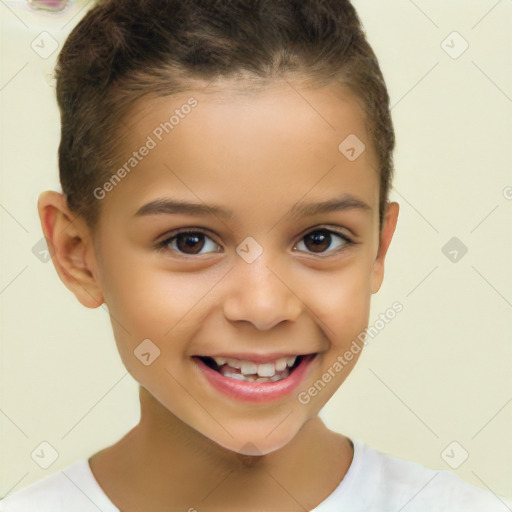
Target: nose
[(259, 294)]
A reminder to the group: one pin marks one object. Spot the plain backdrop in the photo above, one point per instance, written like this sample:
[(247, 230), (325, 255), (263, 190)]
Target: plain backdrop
[(433, 386)]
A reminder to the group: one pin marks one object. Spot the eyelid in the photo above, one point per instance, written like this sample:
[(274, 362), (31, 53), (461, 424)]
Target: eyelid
[(178, 231), (335, 229)]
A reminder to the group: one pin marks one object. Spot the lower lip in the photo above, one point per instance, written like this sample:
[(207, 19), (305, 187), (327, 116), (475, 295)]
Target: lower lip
[(256, 391)]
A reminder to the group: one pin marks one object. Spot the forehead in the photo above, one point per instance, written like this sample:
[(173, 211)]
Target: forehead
[(226, 144)]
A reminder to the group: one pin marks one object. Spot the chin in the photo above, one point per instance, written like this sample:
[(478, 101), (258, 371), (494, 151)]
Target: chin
[(256, 441)]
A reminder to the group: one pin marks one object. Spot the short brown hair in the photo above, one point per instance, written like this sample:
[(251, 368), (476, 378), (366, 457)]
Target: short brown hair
[(123, 50)]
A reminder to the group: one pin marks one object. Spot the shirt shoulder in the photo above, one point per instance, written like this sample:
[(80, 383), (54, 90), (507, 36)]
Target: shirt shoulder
[(70, 489), (409, 486)]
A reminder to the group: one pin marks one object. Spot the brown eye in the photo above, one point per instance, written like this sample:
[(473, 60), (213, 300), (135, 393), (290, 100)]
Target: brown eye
[(190, 243), (321, 240), (318, 241)]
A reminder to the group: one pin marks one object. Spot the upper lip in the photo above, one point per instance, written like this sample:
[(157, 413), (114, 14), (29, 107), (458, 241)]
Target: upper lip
[(256, 358)]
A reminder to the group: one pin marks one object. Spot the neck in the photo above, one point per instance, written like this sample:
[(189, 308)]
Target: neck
[(181, 466)]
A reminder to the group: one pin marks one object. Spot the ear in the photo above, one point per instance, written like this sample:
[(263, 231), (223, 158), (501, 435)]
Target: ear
[(70, 244), (390, 220)]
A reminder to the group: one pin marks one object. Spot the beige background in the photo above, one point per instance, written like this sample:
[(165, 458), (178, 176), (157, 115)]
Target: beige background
[(439, 372)]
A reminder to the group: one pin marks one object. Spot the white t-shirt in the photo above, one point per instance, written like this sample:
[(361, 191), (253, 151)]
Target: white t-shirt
[(375, 482)]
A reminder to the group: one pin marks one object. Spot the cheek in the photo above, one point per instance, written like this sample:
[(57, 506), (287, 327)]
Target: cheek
[(157, 305), (341, 303), (151, 299), (342, 313)]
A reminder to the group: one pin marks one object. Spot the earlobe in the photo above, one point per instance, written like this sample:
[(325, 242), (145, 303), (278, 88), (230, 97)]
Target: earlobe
[(388, 230), (69, 243)]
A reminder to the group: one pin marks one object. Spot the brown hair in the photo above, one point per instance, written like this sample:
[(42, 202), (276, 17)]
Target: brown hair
[(123, 50)]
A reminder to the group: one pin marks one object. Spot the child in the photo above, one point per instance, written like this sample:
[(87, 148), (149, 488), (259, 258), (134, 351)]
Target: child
[(225, 168)]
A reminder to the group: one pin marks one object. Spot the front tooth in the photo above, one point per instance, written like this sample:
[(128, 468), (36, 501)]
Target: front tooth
[(234, 363), (281, 364), (248, 368), (291, 360), (220, 360), (266, 370)]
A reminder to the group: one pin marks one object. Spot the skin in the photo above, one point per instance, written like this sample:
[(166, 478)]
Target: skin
[(195, 447)]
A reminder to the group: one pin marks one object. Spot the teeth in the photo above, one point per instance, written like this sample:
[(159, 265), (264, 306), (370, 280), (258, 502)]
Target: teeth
[(238, 376), (262, 370), (266, 370), (234, 363), (253, 378), (248, 368), (281, 364), (279, 377)]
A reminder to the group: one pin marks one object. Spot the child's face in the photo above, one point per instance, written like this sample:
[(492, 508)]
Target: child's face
[(258, 156)]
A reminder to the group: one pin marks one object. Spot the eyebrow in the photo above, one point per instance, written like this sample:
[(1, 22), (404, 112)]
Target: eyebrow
[(345, 202), (168, 206)]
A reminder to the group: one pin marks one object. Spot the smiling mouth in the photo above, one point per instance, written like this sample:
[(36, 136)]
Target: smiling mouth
[(248, 371)]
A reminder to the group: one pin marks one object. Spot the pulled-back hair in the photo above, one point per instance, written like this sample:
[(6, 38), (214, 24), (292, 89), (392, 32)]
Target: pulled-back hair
[(123, 50)]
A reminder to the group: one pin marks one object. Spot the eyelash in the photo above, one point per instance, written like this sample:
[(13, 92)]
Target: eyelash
[(163, 245)]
